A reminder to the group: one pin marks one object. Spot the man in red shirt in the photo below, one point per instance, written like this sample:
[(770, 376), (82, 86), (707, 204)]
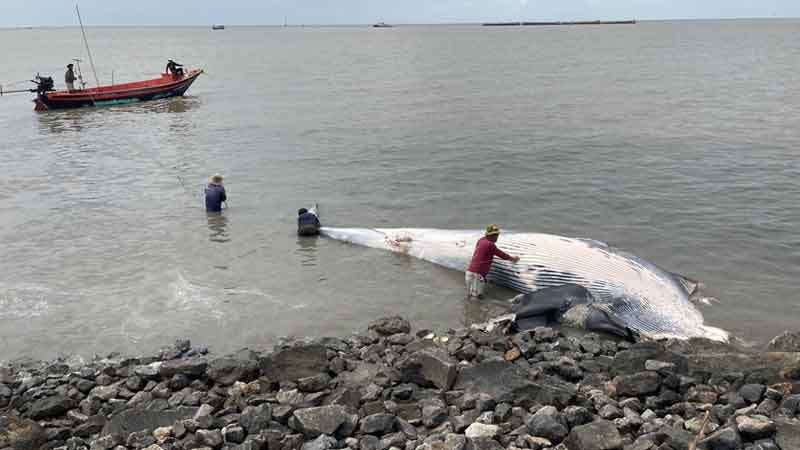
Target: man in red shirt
[(485, 251)]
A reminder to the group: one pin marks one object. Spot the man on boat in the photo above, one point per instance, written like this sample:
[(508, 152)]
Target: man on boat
[(174, 68), (482, 258), (69, 78), (215, 194), (307, 223)]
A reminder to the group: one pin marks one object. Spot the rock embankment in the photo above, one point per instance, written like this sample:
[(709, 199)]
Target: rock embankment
[(389, 389)]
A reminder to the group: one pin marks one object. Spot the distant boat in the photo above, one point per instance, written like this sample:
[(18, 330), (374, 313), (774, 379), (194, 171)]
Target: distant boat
[(217, 27), (381, 25)]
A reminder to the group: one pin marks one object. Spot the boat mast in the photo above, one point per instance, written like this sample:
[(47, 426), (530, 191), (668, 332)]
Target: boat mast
[(86, 43)]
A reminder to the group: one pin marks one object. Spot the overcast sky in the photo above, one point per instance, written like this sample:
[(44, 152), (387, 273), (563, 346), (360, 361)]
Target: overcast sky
[(265, 12)]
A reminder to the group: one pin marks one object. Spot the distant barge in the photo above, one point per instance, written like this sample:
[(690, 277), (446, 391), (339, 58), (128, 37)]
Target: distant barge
[(585, 22)]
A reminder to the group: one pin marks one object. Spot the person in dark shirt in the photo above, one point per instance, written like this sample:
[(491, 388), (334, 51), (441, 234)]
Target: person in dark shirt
[(307, 223), (215, 195), (69, 78), (174, 68)]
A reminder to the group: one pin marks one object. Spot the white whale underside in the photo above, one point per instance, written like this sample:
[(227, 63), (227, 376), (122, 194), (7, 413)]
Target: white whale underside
[(646, 298)]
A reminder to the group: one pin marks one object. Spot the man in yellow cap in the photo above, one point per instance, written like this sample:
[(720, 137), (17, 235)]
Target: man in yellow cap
[(485, 251)]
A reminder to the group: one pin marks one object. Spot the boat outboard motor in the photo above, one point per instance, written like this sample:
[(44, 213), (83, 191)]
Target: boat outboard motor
[(44, 84)]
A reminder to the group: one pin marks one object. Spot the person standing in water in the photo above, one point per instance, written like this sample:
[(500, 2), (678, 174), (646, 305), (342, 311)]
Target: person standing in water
[(481, 264), (215, 194), (307, 223)]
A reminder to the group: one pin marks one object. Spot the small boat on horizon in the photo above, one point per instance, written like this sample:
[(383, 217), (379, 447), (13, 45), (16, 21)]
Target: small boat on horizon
[(168, 85), (217, 27), (381, 25)]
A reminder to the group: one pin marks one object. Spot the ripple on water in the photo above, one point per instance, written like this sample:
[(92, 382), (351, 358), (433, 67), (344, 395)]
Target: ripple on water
[(23, 302)]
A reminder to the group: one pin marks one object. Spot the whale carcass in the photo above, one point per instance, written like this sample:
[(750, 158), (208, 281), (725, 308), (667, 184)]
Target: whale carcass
[(648, 300)]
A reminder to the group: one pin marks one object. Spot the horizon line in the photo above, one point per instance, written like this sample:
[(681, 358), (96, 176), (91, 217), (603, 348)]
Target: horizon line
[(297, 25)]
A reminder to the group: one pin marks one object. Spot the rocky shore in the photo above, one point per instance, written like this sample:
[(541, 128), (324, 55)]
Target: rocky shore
[(390, 389)]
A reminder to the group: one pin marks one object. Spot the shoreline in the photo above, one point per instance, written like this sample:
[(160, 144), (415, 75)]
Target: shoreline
[(388, 388)]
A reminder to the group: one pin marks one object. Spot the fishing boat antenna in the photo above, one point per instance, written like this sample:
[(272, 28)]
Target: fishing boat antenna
[(86, 43), (80, 73)]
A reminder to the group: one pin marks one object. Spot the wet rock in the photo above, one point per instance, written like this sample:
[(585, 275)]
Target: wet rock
[(724, 439), (675, 438), (378, 424), (788, 341), (429, 366), (48, 407), (106, 442), (506, 382), (20, 434), (233, 434), (320, 420), (641, 383), (483, 444), (610, 412), (190, 367), (387, 326), (91, 426), (242, 366), (297, 361), (546, 423), (598, 435)]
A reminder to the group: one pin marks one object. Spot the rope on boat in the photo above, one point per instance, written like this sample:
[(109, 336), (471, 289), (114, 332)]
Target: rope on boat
[(88, 50)]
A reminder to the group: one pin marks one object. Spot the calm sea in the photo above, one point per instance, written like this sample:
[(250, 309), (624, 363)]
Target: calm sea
[(677, 141)]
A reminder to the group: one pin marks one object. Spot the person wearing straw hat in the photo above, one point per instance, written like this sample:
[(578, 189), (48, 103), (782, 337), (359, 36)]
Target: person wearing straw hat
[(482, 258), (215, 194)]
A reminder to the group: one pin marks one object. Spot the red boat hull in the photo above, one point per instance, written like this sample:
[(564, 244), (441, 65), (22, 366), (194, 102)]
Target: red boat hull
[(139, 91)]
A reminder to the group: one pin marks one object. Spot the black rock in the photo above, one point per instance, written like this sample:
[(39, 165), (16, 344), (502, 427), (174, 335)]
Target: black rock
[(677, 439), (640, 383), (576, 415), (320, 420), (298, 361), (20, 434), (387, 326), (255, 419), (432, 366), (314, 383), (547, 423), (190, 367), (240, 367), (634, 359), (752, 393), (726, 438), (506, 382), (49, 407), (434, 412), (233, 434), (598, 435), (132, 420), (92, 425), (378, 424), (483, 444), (140, 439), (210, 438), (322, 442)]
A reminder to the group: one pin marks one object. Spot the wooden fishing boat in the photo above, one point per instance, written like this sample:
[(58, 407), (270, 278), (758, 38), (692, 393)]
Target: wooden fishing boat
[(167, 85)]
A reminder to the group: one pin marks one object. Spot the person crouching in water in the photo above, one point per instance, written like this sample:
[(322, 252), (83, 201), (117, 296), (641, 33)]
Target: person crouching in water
[(307, 223), (215, 194), (481, 264)]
